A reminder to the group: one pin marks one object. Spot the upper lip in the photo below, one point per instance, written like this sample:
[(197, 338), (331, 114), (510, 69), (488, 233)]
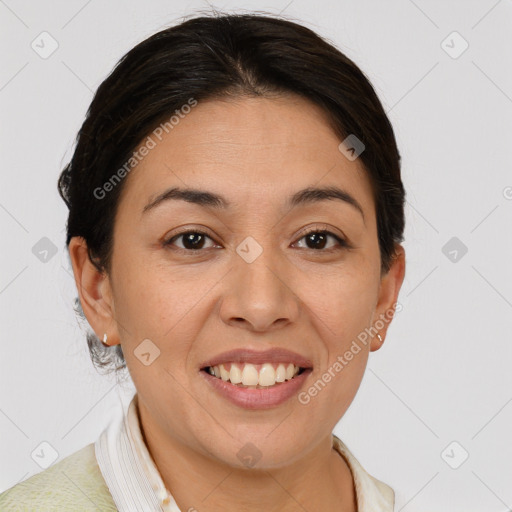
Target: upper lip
[(273, 355)]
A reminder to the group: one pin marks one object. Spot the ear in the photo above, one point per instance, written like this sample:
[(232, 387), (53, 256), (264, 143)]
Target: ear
[(95, 292), (390, 285)]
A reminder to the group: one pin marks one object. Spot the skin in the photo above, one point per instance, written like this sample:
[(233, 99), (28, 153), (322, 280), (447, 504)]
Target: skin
[(255, 152)]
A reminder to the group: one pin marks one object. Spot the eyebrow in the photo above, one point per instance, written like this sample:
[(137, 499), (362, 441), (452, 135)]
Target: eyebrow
[(206, 199)]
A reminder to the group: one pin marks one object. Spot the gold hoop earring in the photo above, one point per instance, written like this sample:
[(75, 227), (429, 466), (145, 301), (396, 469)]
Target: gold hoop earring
[(105, 340), (380, 337)]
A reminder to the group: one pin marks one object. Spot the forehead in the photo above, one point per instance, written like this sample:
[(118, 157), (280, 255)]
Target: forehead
[(249, 150)]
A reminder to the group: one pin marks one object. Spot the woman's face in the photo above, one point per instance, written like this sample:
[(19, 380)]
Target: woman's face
[(254, 281)]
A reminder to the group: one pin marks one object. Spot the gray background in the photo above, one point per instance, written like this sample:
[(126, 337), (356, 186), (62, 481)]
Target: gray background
[(443, 374)]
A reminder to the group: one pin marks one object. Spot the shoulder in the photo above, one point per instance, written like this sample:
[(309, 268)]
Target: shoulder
[(371, 493), (74, 483)]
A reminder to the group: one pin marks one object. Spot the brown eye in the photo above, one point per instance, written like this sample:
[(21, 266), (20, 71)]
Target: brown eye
[(317, 240), (192, 240)]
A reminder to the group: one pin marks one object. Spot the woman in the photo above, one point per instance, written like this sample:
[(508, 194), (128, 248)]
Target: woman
[(235, 220)]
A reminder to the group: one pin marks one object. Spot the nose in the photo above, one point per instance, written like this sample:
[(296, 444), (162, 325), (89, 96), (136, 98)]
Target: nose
[(259, 296)]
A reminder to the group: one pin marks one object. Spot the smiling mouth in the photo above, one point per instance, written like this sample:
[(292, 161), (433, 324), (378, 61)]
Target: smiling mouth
[(255, 376)]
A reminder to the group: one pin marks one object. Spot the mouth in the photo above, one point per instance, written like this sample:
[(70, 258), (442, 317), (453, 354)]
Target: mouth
[(253, 379), (255, 376)]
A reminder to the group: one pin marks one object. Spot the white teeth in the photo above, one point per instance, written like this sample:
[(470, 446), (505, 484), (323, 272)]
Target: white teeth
[(267, 376), (290, 370), (248, 375), (280, 373), (224, 373), (235, 375)]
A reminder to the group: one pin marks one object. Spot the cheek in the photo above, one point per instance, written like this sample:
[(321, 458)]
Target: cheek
[(343, 308), (163, 304), (343, 301), (142, 287)]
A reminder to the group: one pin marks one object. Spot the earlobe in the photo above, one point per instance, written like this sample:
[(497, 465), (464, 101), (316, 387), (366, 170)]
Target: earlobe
[(389, 289), (93, 289)]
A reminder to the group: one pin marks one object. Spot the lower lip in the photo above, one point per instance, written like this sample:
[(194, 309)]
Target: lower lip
[(264, 398)]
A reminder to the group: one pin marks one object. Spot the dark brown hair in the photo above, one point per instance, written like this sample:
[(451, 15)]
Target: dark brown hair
[(208, 57)]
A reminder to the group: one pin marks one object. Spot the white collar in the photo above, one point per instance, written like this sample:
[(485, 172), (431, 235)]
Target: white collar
[(136, 484)]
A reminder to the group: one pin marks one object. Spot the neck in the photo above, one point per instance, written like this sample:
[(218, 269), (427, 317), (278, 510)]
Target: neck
[(322, 480)]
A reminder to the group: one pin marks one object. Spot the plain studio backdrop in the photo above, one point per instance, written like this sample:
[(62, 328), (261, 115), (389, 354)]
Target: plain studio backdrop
[(433, 415)]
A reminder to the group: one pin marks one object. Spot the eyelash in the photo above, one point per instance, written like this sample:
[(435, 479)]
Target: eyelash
[(343, 244)]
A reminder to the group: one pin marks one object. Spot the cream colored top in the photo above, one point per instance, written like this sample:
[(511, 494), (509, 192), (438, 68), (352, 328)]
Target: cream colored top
[(136, 485)]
